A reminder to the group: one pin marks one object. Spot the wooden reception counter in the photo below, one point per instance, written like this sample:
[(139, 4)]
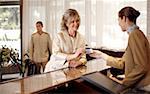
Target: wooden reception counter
[(37, 83), (80, 80)]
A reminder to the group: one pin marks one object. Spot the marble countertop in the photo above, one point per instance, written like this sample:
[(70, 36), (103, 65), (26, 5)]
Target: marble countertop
[(40, 82)]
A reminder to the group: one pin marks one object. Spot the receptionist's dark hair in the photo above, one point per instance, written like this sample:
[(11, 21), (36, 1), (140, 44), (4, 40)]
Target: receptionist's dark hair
[(130, 13)]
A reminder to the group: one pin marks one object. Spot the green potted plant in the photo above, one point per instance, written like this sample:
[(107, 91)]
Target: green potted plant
[(9, 61), (4, 56)]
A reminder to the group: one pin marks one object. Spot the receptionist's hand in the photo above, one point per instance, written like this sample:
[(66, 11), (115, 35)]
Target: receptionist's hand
[(115, 79), (96, 54), (74, 63), (99, 54)]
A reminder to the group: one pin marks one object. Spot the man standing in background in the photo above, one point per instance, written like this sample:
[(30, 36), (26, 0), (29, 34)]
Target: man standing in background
[(40, 48)]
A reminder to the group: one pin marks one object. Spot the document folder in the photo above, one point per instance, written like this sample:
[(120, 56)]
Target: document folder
[(103, 82)]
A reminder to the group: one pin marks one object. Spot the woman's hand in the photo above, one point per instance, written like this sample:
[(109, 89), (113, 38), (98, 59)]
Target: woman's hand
[(75, 55), (79, 52), (74, 63)]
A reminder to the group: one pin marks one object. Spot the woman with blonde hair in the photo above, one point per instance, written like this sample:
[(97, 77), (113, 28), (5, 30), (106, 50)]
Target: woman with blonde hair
[(69, 44)]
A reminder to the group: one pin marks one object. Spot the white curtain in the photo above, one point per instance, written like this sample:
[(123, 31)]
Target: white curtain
[(99, 19), (148, 20)]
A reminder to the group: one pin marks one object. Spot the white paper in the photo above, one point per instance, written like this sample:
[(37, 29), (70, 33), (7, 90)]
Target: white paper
[(55, 63)]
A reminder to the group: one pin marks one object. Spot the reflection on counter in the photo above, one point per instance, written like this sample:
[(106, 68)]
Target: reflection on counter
[(60, 81)]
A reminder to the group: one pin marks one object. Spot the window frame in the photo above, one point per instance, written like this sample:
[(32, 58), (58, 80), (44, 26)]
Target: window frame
[(12, 3)]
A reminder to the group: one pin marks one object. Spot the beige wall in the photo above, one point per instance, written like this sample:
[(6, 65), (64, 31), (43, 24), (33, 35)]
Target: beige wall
[(148, 37), (148, 19)]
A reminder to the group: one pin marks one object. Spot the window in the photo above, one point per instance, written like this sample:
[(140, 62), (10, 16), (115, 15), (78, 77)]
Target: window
[(10, 26), (99, 19)]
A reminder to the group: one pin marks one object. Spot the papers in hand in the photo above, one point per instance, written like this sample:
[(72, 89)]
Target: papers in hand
[(89, 51), (55, 63)]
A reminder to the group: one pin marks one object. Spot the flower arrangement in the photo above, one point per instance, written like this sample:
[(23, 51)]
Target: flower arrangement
[(8, 56)]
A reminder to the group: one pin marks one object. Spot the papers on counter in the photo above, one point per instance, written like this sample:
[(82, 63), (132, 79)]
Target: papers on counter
[(55, 63)]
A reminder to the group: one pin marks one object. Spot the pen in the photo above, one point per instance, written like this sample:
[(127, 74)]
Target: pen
[(65, 62)]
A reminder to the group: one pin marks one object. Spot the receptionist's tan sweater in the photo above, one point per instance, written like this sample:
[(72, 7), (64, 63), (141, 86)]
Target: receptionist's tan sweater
[(135, 61)]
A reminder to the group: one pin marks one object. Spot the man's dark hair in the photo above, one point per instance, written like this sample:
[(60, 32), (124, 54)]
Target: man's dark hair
[(39, 22)]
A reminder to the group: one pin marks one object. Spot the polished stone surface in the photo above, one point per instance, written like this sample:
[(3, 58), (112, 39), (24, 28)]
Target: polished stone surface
[(40, 82)]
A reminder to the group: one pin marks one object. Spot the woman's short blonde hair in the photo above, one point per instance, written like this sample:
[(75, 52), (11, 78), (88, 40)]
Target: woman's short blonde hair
[(69, 13)]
